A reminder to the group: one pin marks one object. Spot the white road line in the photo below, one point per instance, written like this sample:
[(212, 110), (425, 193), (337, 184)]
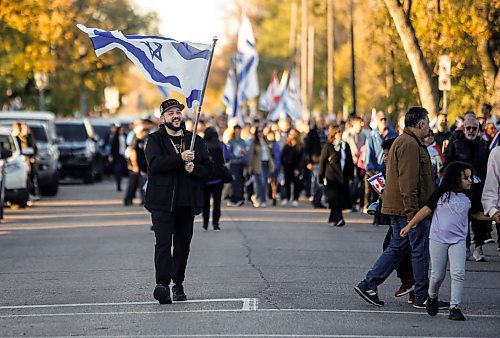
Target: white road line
[(257, 335), (249, 304), (233, 310)]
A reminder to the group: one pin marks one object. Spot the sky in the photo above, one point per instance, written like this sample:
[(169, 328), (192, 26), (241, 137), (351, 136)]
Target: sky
[(190, 20)]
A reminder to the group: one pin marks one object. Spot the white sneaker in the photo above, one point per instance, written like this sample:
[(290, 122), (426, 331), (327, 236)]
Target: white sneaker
[(263, 205), (295, 204), (284, 202), (478, 254)]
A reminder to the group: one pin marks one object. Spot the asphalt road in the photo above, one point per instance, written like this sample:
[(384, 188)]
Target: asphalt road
[(81, 264)]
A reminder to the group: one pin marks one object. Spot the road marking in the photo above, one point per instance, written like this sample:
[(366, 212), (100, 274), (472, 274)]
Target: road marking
[(205, 311), (249, 304), (258, 335)]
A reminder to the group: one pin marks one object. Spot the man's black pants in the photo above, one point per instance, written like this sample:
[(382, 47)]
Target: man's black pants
[(172, 228)]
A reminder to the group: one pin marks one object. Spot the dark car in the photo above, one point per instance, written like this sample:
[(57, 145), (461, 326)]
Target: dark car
[(102, 128), (78, 150)]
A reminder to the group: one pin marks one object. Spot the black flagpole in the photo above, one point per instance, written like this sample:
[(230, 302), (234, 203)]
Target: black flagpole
[(191, 147)]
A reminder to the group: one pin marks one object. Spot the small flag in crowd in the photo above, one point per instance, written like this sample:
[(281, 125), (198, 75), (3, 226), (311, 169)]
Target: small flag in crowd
[(290, 103), (229, 99), (179, 66), (270, 98), (247, 62), (377, 182)]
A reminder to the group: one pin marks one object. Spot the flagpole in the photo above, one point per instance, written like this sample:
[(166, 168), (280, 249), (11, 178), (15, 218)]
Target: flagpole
[(195, 127)]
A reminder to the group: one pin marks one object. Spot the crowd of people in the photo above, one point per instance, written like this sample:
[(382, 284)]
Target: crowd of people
[(425, 169)]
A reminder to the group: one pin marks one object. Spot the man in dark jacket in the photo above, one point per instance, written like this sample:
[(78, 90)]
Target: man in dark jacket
[(174, 195)]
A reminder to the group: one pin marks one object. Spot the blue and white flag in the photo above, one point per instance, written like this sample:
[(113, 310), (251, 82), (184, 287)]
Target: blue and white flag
[(247, 62), (290, 103), (229, 99), (180, 66)]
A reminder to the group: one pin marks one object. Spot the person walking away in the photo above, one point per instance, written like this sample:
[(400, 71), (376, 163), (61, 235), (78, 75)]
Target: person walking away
[(292, 159), (174, 195), (315, 140), (273, 175), (117, 156), (353, 138), (137, 166), (237, 163), (336, 169), (215, 184), (409, 184), (260, 165), (449, 228)]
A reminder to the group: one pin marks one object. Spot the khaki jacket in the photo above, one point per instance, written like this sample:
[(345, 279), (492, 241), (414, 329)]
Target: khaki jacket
[(255, 158), (409, 177)]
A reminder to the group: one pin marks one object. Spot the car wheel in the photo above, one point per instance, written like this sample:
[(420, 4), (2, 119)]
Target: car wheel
[(89, 175), (51, 188), (24, 198)]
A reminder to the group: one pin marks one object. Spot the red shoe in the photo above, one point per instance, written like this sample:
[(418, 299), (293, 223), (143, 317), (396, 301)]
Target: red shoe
[(411, 298)]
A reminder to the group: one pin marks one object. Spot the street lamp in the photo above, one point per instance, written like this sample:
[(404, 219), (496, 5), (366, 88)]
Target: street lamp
[(41, 82)]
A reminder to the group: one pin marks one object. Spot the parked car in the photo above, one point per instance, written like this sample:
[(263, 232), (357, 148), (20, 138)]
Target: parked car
[(78, 150), (102, 128), (16, 169), (42, 125), (4, 154)]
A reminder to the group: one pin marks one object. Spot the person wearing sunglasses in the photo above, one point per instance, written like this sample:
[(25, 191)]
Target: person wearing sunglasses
[(470, 148)]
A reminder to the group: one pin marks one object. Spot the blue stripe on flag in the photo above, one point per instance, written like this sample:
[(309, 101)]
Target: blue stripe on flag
[(107, 39), (189, 52), (195, 95)]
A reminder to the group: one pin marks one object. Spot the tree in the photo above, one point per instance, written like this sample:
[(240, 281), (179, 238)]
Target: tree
[(423, 76)]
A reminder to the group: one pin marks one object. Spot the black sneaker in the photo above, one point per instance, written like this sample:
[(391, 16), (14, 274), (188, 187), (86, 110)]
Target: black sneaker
[(432, 306), (368, 295), (216, 227), (419, 304), (162, 294), (340, 223), (456, 314), (178, 294), (205, 227)]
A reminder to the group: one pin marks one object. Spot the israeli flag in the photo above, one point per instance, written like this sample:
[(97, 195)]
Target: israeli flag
[(247, 62), (229, 99), (180, 66)]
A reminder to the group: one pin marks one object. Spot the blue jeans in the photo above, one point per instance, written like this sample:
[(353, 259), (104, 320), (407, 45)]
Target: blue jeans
[(417, 242), (261, 182)]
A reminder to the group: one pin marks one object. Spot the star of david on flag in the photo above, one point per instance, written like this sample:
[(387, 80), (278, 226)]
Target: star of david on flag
[(180, 66)]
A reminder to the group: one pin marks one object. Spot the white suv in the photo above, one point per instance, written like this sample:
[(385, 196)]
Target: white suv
[(16, 170)]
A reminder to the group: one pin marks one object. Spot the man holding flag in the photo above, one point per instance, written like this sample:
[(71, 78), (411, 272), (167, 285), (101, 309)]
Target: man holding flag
[(174, 196), (174, 192)]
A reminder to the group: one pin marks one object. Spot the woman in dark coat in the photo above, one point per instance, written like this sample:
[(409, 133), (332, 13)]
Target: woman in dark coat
[(336, 169), (214, 185), (117, 156), (292, 160)]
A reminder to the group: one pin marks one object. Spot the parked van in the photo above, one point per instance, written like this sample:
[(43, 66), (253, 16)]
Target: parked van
[(42, 125)]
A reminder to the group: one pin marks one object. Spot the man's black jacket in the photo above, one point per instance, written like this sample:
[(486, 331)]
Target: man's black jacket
[(473, 152), (164, 167)]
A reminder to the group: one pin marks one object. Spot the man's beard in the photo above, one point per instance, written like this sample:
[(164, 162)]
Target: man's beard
[(170, 126)]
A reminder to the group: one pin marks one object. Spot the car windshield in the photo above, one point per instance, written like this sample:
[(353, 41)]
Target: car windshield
[(39, 133), (102, 131), (7, 143), (71, 132)]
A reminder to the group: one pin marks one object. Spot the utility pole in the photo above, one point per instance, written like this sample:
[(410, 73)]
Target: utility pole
[(353, 68), (310, 68), (293, 33), (303, 56), (331, 61)]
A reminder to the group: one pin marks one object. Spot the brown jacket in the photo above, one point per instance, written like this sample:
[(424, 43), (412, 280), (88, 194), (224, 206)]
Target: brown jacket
[(255, 158), (409, 177)]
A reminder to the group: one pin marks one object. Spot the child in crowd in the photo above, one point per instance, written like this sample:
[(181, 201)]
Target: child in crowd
[(449, 227)]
